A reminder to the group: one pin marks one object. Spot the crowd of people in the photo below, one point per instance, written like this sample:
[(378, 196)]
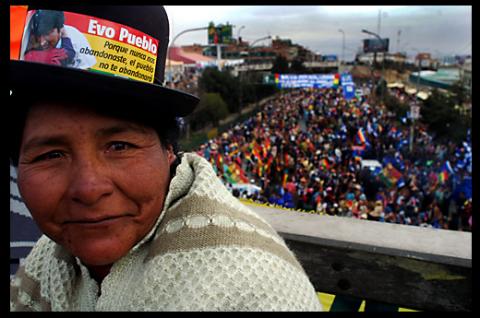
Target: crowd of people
[(186, 81), (307, 149)]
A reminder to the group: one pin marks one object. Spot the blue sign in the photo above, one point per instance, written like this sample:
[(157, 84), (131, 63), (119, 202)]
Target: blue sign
[(329, 58), (346, 78), (348, 91), (306, 80), (348, 86)]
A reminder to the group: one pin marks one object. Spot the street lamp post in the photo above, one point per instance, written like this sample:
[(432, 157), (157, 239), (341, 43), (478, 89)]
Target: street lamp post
[(254, 42), (343, 44), (238, 32), (175, 38), (417, 103), (383, 58), (170, 68), (261, 39), (248, 50)]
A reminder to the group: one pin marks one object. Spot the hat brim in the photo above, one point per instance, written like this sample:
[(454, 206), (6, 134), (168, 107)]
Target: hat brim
[(43, 80)]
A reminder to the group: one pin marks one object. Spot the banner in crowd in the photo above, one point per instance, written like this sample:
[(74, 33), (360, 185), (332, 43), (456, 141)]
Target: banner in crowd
[(307, 80), (348, 86)]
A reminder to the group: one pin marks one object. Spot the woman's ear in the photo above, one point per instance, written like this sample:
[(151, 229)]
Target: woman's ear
[(171, 154)]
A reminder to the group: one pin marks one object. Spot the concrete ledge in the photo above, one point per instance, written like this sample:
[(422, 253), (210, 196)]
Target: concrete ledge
[(406, 266), (441, 246)]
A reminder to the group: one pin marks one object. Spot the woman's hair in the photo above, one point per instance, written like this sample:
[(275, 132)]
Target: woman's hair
[(165, 125)]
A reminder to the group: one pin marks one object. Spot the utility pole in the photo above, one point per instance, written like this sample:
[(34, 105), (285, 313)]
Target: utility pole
[(187, 123), (343, 44), (399, 32), (379, 20), (238, 32), (248, 49), (375, 56), (414, 110), (173, 41), (219, 56)]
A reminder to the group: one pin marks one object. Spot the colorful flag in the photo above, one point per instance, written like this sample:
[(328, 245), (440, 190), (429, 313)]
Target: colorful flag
[(258, 156), (442, 177), (219, 162), (448, 168), (248, 156), (237, 173), (285, 178), (324, 163), (268, 164), (266, 147), (336, 79), (379, 128), (400, 183), (386, 181), (445, 173), (390, 175), (357, 151), (227, 173), (361, 136), (369, 128)]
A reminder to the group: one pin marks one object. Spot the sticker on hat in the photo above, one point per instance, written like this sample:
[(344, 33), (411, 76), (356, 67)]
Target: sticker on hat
[(84, 42)]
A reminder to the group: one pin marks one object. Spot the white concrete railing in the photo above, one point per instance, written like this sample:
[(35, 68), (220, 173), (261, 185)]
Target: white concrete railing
[(403, 265)]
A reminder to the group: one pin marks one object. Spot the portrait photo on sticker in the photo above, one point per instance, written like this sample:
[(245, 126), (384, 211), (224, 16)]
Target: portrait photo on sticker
[(47, 39)]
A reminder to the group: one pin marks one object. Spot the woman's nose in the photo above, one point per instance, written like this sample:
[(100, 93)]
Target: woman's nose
[(89, 183)]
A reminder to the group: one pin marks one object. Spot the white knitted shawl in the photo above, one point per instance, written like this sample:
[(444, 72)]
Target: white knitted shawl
[(207, 251)]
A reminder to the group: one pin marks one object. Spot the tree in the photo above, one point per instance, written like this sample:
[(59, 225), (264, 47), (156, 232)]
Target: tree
[(394, 105), (280, 65), (298, 67), (443, 118), (223, 83), (214, 107), (381, 88), (460, 93)]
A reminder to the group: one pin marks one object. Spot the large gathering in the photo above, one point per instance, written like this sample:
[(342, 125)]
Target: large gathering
[(304, 151)]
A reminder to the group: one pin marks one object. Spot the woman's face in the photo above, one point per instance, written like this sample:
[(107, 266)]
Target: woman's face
[(93, 184)]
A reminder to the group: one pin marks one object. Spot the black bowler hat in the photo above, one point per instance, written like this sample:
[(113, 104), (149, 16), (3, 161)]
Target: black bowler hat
[(111, 53)]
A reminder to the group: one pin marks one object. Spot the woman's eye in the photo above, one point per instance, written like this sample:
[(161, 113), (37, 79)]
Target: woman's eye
[(49, 156), (119, 146)]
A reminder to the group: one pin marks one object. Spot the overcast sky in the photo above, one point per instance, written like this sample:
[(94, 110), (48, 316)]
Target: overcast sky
[(440, 30)]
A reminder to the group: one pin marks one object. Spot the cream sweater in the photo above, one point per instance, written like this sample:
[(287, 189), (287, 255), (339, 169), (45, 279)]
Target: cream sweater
[(207, 252)]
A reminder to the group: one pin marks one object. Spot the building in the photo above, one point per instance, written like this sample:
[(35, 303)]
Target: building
[(454, 60), (466, 75), (189, 57), (426, 62), (443, 78), (240, 49), (182, 67)]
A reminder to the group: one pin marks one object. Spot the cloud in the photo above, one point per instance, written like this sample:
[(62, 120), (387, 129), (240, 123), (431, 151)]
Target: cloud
[(440, 28)]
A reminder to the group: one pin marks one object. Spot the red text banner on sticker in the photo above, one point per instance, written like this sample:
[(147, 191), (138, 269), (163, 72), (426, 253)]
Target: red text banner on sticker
[(104, 46)]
